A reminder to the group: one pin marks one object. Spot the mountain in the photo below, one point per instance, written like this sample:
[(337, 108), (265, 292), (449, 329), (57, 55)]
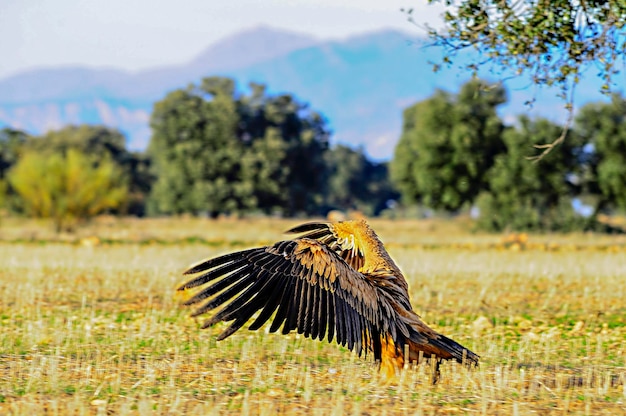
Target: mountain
[(361, 85), (45, 99), (76, 83), (249, 47)]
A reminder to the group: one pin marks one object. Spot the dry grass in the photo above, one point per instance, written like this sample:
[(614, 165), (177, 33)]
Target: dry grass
[(94, 328)]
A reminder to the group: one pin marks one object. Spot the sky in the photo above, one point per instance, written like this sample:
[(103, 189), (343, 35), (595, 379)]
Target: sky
[(140, 34)]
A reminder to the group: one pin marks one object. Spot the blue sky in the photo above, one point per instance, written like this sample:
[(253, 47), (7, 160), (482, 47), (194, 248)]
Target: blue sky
[(139, 34)]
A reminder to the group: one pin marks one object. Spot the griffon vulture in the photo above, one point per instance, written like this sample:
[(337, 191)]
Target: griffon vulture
[(334, 281)]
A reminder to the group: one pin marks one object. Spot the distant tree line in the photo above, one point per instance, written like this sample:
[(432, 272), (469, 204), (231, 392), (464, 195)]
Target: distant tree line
[(216, 150), (455, 153)]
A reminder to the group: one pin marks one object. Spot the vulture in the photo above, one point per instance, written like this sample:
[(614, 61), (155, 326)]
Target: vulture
[(334, 281)]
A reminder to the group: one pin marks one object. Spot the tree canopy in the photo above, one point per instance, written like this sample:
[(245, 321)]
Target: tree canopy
[(553, 41), (603, 128), (447, 145), (522, 195), (220, 151)]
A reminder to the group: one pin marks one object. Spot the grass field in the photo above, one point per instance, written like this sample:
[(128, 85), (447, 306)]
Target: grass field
[(92, 326)]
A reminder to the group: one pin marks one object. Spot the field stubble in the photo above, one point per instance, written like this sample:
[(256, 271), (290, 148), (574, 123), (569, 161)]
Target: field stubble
[(95, 327)]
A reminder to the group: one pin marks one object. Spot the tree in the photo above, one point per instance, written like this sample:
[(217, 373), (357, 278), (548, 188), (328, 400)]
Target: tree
[(552, 41), (11, 146), (196, 151), (448, 143), (357, 183), (303, 174), (86, 139), (218, 151), (523, 195), (99, 143), (11, 142), (603, 128), (263, 167), (68, 187)]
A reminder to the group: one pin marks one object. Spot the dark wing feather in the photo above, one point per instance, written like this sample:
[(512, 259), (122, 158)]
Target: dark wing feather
[(305, 285), (271, 304)]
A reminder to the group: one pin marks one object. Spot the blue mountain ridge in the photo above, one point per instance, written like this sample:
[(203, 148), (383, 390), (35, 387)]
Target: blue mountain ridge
[(360, 84)]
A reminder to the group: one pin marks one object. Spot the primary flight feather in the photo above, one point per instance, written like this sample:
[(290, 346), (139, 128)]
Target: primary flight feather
[(335, 281)]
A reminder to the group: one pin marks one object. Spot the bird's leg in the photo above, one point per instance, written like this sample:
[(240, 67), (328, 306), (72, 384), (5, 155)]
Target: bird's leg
[(390, 367), (392, 360)]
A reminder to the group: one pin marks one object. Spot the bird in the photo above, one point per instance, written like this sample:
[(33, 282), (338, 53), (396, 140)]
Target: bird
[(333, 281)]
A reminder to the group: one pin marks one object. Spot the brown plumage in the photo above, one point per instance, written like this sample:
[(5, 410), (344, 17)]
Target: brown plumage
[(335, 281)]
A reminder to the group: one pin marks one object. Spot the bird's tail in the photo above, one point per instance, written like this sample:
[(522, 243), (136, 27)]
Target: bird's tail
[(441, 347)]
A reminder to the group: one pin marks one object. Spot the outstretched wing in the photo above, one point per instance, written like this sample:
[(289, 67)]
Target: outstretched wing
[(353, 241), (306, 286), (344, 244)]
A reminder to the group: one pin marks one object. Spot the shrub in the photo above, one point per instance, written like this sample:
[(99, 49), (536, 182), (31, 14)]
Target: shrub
[(67, 187)]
